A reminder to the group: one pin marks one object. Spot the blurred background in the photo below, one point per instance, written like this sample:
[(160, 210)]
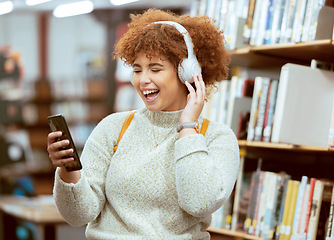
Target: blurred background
[(56, 58)]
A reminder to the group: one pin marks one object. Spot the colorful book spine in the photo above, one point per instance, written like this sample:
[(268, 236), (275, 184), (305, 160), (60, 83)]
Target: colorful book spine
[(309, 207), (298, 209), (262, 110), (268, 123), (315, 210), (291, 211), (287, 202)]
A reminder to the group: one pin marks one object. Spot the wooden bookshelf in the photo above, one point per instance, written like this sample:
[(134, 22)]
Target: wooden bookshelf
[(279, 54), (282, 146), (233, 234)]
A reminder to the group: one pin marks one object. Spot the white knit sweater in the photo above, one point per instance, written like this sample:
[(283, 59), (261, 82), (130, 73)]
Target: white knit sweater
[(155, 186)]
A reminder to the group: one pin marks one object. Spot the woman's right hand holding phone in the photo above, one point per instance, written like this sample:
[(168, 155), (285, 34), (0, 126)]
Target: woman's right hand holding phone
[(59, 156)]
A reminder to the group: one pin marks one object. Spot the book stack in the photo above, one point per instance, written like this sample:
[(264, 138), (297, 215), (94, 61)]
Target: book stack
[(262, 109), (282, 208), (231, 103), (260, 22)]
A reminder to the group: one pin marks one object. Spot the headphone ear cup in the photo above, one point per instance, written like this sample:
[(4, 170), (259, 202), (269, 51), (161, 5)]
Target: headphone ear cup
[(187, 69)]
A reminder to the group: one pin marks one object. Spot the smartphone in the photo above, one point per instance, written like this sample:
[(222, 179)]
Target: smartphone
[(58, 123)]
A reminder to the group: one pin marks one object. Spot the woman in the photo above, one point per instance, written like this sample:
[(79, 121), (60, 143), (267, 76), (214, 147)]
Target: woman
[(165, 180)]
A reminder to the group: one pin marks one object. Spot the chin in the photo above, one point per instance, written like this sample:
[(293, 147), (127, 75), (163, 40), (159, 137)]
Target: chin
[(153, 108)]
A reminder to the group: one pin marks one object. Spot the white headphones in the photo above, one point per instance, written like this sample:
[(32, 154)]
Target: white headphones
[(189, 66)]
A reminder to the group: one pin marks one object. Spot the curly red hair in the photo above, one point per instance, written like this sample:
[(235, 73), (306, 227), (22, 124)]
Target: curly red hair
[(160, 40)]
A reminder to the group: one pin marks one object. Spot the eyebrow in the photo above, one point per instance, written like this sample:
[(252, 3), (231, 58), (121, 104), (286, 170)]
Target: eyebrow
[(150, 65)]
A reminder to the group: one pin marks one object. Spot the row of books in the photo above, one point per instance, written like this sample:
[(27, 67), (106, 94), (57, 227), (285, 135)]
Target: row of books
[(277, 207), (231, 103), (258, 22), (278, 110)]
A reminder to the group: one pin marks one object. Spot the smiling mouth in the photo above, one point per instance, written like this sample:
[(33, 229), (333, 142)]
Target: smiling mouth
[(151, 95)]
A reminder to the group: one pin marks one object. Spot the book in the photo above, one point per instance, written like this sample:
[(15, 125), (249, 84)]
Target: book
[(260, 32), (309, 207), (270, 205), (286, 207), (254, 112), (262, 109), (331, 129), (298, 22), (256, 21), (286, 35), (284, 23), (224, 91), (277, 21), (332, 228), (302, 220), (281, 194), (262, 203), (269, 22), (255, 222), (301, 91), (238, 189), (250, 222), (329, 232), (223, 14), (307, 20), (320, 209), (234, 92), (291, 210), (241, 108), (249, 21), (324, 214), (298, 208), (269, 116)]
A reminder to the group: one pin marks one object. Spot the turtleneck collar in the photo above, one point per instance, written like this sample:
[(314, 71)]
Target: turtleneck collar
[(162, 118)]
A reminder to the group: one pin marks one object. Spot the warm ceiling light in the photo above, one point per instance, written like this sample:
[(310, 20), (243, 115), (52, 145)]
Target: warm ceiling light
[(35, 2), (6, 7), (122, 2), (73, 9)]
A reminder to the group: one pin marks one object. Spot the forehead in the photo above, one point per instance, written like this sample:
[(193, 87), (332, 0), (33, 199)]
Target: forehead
[(143, 58)]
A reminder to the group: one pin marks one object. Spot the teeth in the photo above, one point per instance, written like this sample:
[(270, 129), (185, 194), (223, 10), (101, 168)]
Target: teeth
[(149, 92)]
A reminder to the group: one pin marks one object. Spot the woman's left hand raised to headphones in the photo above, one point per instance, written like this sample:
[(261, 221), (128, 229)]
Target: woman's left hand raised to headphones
[(195, 100)]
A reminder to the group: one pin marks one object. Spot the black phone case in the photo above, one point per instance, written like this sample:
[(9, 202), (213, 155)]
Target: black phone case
[(58, 123)]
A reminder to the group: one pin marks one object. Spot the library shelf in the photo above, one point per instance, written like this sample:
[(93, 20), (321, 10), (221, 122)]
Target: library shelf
[(279, 54), (282, 146), (231, 233)]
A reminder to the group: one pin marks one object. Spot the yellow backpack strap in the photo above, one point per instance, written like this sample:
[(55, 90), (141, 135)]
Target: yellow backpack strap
[(125, 126), (204, 127)]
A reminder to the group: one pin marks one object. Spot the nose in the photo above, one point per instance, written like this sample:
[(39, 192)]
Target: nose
[(145, 77)]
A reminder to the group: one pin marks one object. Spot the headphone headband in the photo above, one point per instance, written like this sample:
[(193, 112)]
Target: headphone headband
[(184, 32)]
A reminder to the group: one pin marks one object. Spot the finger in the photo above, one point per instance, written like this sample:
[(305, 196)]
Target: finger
[(201, 81), (199, 90), (63, 162), (53, 136), (61, 155), (64, 154), (56, 146), (58, 150)]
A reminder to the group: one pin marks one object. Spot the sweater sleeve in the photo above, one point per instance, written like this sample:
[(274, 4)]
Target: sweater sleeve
[(206, 170), (82, 202)]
